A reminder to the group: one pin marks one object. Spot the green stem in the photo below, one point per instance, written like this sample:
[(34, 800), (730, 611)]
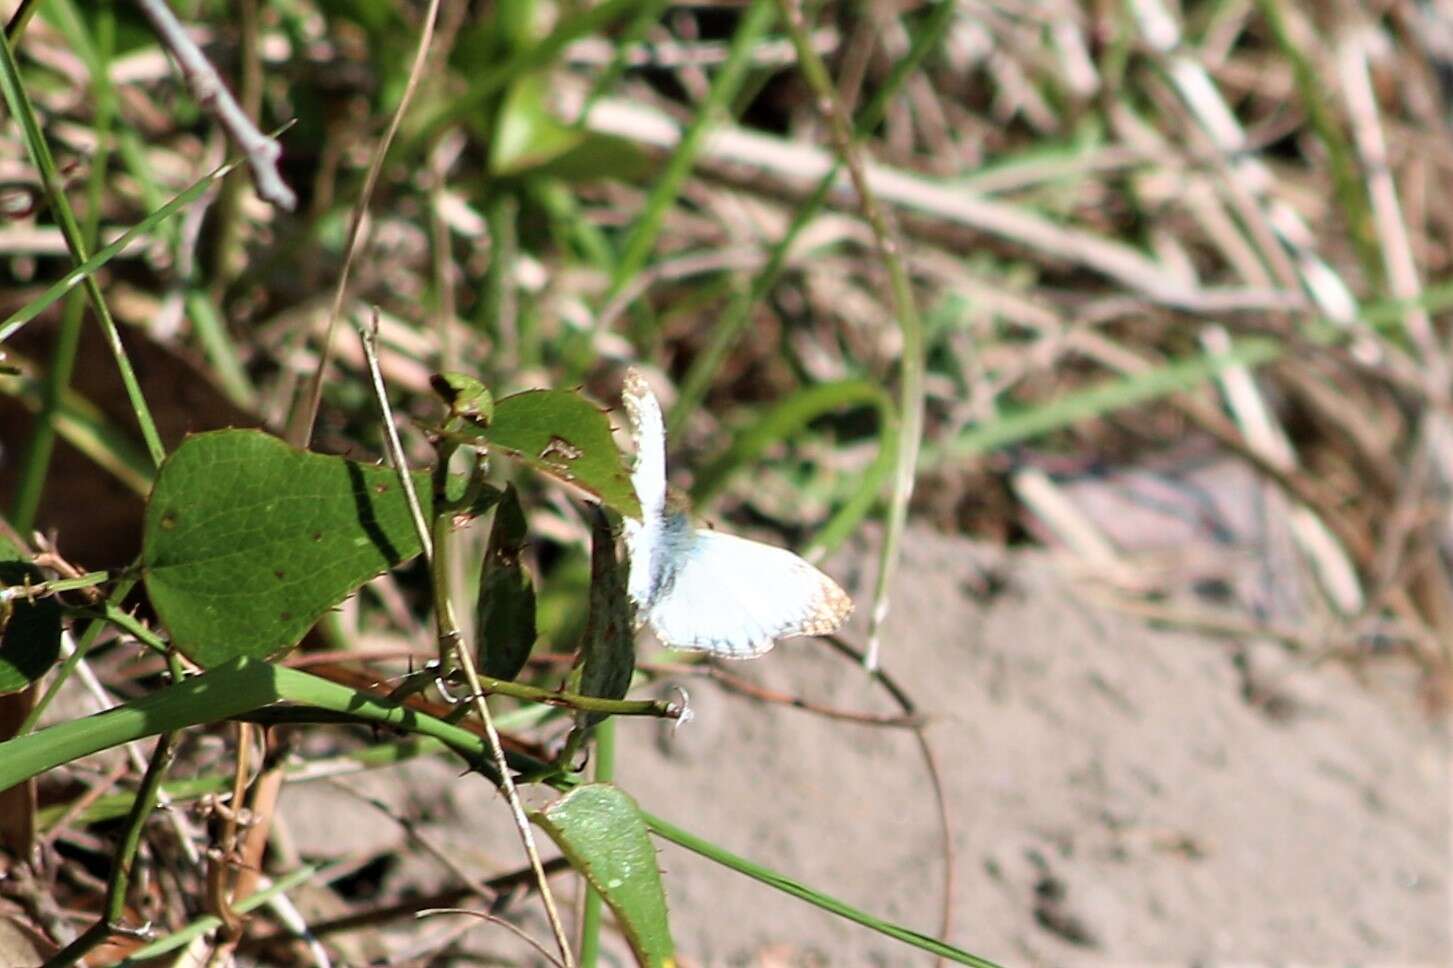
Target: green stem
[(112, 920), (667, 186), (245, 685), (85, 269), (54, 586)]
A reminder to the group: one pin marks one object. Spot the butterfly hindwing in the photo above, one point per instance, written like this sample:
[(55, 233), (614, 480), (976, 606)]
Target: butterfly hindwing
[(734, 597)]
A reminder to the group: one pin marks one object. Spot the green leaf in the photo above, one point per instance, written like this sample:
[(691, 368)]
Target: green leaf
[(600, 830), (505, 611), (464, 396), (609, 645), (247, 541), (30, 632), (597, 156), (527, 135), (562, 434)]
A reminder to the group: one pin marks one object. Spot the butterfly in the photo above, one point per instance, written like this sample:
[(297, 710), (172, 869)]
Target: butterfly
[(700, 589)]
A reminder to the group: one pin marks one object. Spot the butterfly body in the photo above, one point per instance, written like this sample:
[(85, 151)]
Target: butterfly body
[(707, 591)]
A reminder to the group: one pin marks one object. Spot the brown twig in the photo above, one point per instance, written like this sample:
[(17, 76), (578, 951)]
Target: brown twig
[(935, 775), (206, 86)]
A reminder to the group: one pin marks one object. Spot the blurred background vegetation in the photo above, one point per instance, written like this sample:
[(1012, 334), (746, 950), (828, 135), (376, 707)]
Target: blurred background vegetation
[(1135, 231)]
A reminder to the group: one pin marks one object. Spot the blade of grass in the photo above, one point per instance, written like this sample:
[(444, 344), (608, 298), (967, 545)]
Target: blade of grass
[(35, 459), (790, 417), (18, 100), (64, 16), (724, 87), (209, 923), (229, 690), (737, 314), (81, 424), (802, 892), (211, 331), (1100, 399), (88, 267)]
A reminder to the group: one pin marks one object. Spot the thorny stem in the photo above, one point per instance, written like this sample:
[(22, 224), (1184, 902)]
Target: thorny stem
[(435, 547), (42, 589), (110, 922)]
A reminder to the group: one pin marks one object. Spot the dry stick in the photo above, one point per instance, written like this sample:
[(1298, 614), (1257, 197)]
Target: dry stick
[(1203, 99), (207, 87), (434, 850), (79, 805), (890, 250), (1263, 432), (492, 919), (217, 856), (794, 166), (449, 636), (1434, 430), (502, 886), (300, 429)]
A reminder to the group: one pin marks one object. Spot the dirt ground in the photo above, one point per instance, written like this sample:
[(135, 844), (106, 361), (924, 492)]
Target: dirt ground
[(1120, 795)]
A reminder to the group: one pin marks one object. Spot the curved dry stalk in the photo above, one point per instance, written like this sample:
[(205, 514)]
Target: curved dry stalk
[(300, 428), (935, 776), (890, 250)]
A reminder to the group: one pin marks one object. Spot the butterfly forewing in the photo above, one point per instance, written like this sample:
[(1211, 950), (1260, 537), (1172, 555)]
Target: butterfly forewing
[(648, 475)]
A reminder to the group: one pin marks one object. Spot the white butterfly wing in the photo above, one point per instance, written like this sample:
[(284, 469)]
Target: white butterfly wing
[(734, 598), (648, 430)]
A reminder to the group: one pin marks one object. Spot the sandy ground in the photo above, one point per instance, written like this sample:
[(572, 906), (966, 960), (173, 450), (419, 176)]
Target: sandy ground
[(1120, 795)]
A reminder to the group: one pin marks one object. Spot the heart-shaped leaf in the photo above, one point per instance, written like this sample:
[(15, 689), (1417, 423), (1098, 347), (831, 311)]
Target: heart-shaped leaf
[(248, 541), (560, 433), (30, 632), (505, 613), (599, 829)]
